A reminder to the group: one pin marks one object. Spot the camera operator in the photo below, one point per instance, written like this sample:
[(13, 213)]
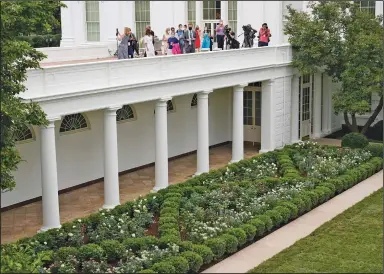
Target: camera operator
[(264, 35), (249, 35), (230, 39)]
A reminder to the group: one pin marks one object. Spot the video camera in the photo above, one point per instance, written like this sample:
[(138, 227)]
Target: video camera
[(249, 35), (232, 43)]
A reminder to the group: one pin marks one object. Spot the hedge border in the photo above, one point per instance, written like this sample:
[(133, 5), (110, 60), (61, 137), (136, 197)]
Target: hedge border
[(168, 202)]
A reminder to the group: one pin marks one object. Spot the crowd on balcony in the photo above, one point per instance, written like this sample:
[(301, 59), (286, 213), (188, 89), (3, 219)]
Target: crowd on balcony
[(186, 39)]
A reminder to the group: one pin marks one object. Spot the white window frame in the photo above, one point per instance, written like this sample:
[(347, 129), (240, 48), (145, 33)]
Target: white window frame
[(75, 130), (144, 9), (94, 22)]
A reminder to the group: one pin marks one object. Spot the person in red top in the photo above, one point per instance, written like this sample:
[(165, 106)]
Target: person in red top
[(264, 35)]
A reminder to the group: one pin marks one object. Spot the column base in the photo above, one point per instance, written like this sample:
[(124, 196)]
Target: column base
[(265, 150), (295, 141), (316, 135), (199, 173), (45, 228), (156, 189), (234, 161), (109, 206)]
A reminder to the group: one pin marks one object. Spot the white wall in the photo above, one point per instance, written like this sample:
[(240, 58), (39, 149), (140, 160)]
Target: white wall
[(80, 155), (282, 91)]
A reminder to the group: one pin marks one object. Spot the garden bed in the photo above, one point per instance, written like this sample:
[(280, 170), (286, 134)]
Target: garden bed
[(187, 227)]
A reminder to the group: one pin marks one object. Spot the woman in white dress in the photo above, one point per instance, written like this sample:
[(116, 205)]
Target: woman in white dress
[(148, 45), (164, 46)]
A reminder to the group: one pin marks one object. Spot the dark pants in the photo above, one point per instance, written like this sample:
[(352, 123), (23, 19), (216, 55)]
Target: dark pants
[(220, 41), (263, 44)]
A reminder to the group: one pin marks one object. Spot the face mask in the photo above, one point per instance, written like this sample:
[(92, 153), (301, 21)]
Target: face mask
[(190, 28)]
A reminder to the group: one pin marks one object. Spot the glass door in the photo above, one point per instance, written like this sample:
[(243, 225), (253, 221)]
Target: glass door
[(211, 27), (305, 106), (252, 114)]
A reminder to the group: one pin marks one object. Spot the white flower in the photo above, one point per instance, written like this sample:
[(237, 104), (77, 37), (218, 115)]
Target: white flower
[(70, 234), (45, 243), (74, 226), (133, 235), (79, 220), (122, 231)]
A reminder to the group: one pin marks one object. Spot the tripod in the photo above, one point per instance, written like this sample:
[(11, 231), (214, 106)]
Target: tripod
[(117, 42)]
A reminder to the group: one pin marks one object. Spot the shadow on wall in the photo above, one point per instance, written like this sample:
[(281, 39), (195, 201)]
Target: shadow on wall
[(374, 133)]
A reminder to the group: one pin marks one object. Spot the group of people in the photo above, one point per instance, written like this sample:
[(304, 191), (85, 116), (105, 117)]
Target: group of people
[(184, 40)]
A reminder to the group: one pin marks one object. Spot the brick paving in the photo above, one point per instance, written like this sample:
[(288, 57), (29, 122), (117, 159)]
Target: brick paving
[(24, 221)]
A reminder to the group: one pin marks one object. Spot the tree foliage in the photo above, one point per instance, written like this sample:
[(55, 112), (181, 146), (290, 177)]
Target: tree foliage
[(17, 57), (346, 43)]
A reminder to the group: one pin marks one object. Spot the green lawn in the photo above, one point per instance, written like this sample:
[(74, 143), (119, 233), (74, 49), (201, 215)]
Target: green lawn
[(352, 242)]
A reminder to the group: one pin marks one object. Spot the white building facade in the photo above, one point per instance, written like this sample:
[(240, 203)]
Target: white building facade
[(112, 116)]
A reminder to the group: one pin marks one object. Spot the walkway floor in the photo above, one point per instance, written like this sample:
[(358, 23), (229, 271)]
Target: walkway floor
[(26, 220), (267, 247)]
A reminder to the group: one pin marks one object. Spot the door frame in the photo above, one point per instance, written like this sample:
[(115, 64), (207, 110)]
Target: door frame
[(306, 124), (252, 133), (213, 24)]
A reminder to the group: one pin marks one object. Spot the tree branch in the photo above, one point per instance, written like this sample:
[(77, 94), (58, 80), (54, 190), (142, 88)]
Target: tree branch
[(373, 116), (346, 119)]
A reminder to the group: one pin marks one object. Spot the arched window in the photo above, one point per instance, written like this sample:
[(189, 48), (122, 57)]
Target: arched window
[(170, 106), (73, 122), (24, 133), (125, 114), (194, 100)]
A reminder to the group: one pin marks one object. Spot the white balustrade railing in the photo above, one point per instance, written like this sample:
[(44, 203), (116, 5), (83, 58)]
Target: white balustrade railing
[(71, 78)]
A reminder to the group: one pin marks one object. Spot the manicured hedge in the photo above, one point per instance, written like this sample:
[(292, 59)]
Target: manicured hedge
[(167, 202)]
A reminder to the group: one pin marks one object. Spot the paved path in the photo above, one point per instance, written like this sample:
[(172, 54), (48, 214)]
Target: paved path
[(267, 247)]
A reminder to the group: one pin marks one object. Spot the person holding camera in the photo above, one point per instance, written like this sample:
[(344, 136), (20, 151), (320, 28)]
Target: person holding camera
[(220, 35), (125, 44), (264, 35)]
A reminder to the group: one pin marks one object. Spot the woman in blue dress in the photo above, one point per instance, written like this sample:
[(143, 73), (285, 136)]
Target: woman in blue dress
[(206, 41)]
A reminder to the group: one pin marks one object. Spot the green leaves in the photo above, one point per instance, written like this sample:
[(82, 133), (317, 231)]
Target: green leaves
[(17, 57)]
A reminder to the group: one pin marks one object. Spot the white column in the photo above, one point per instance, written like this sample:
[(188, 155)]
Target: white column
[(327, 101), (295, 110), (161, 157), (111, 164), (49, 182), (199, 14), (202, 132), (267, 116), (224, 11), (237, 124), (67, 28), (317, 107)]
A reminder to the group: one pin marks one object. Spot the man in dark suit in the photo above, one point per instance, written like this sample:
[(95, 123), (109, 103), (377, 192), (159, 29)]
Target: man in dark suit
[(189, 39)]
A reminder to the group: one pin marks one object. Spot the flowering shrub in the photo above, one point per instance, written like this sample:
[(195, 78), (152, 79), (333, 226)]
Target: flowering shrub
[(199, 221), (209, 214)]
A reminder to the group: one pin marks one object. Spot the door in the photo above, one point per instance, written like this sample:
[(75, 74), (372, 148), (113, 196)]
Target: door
[(252, 114), (305, 106), (211, 26)]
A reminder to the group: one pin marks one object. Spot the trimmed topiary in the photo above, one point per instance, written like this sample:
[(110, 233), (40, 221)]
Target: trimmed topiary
[(250, 230), (168, 220), (205, 252), (231, 243), (90, 251), (240, 235), (354, 140), (63, 253), (180, 263), (276, 217), (163, 267), (293, 210), (284, 212), (112, 249), (195, 261), (217, 246)]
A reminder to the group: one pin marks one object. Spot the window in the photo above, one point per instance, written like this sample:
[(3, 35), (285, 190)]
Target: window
[(170, 106), (211, 10), (142, 17), (232, 15), (24, 133), (368, 6), (192, 12), (92, 20), (125, 114), (194, 100), (73, 122)]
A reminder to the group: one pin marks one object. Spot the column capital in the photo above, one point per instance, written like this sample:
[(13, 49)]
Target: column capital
[(208, 91), (271, 82), (113, 108), (243, 85), (51, 121), (162, 102)]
